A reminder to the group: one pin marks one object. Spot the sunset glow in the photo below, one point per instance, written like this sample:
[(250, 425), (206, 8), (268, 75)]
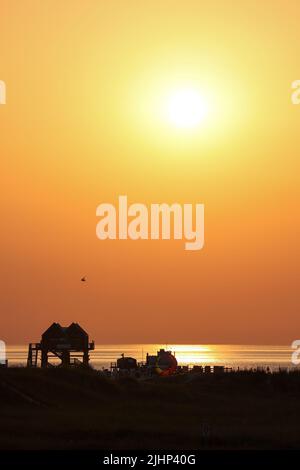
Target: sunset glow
[(188, 104), (186, 108)]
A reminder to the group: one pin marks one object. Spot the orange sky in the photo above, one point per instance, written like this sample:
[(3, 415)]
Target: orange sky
[(81, 126)]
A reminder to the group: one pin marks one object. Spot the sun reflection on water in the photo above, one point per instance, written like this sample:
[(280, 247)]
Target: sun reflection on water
[(186, 354), (192, 354)]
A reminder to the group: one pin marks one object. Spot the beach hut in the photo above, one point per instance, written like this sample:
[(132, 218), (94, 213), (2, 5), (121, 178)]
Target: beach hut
[(61, 346)]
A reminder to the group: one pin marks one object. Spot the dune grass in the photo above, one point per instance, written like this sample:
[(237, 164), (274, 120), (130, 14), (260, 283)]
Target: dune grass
[(81, 409)]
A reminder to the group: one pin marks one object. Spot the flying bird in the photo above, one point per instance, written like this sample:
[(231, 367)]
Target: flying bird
[(83, 279)]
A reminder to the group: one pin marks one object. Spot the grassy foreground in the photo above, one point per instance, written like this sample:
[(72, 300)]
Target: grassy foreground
[(81, 409)]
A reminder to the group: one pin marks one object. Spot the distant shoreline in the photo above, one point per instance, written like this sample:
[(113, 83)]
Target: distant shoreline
[(243, 356)]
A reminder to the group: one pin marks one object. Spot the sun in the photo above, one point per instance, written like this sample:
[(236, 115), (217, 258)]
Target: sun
[(186, 108)]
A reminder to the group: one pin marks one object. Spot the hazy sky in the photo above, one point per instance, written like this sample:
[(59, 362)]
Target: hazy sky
[(84, 123)]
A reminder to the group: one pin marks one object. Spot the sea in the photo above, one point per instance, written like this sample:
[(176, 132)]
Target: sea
[(233, 356)]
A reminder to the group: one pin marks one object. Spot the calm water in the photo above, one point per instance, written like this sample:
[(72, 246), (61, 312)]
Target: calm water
[(244, 356)]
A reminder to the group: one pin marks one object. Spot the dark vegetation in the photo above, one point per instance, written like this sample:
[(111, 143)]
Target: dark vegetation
[(81, 409)]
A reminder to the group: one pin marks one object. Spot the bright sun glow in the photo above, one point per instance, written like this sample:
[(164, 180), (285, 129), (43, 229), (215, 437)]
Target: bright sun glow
[(186, 108), (192, 354)]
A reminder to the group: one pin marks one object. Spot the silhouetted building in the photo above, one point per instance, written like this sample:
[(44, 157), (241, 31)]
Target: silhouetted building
[(126, 363), (68, 344), (164, 363)]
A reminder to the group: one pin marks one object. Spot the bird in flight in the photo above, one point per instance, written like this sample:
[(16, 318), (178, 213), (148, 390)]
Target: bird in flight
[(83, 279)]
